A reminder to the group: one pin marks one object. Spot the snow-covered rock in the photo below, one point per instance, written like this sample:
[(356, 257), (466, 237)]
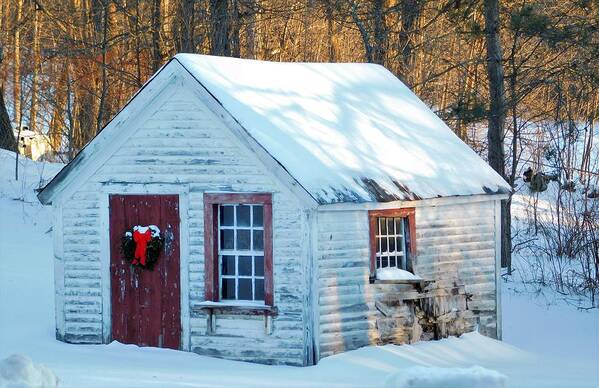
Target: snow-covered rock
[(18, 371)]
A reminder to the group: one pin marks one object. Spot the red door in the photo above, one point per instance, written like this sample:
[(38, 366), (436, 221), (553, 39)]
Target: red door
[(146, 305)]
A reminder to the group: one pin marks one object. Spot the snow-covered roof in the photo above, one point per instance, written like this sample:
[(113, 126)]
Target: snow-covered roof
[(344, 132), (347, 132)]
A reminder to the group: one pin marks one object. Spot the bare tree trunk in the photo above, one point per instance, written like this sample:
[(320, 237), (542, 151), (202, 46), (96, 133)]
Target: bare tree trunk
[(185, 21), (219, 28), (35, 75), (410, 12), (135, 27), (496, 116), (17, 63), (104, 86), (380, 32), (235, 26), (57, 121), (7, 138), (156, 21), (70, 117), (331, 34), (250, 29), (364, 33)]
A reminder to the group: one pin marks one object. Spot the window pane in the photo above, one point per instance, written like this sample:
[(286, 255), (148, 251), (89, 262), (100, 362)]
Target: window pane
[(243, 239), (385, 262), (258, 240), (259, 289), (378, 244), (399, 244), (228, 265), (228, 291), (227, 239), (259, 265), (243, 215), (383, 226), (245, 289), (398, 225), (258, 215), (392, 244), (245, 265), (392, 262), (390, 226), (384, 244), (226, 215)]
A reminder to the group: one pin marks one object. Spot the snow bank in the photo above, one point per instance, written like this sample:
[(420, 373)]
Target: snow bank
[(392, 273), (425, 377), (18, 371), (32, 175)]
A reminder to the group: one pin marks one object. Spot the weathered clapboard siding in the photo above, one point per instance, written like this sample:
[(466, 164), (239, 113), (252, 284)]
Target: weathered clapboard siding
[(466, 257), (183, 144), (455, 244)]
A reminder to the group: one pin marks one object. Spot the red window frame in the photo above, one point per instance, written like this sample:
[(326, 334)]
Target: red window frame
[(408, 212), (211, 203)]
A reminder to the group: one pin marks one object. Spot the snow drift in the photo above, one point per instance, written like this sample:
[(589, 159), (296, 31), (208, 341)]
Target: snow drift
[(18, 371), (424, 377)]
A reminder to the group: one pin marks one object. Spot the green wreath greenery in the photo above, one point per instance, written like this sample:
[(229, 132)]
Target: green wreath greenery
[(153, 248)]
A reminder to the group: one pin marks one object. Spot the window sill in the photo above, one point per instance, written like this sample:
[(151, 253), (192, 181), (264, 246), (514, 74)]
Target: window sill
[(236, 308)]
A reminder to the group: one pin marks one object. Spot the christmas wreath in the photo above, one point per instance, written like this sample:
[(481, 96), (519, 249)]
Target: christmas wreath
[(141, 246)]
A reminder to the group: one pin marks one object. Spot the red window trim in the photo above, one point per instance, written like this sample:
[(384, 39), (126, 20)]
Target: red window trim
[(408, 212), (211, 202)]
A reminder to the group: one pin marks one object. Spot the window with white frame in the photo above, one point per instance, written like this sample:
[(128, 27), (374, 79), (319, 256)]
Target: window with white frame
[(241, 252), (391, 242)]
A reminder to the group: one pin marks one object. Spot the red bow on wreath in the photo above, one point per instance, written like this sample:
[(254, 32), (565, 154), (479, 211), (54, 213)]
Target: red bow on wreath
[(141, 243)]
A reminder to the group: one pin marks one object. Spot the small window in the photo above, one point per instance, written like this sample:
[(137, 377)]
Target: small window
[(238, 247), (391, 243), (392, 239), (241, 252)]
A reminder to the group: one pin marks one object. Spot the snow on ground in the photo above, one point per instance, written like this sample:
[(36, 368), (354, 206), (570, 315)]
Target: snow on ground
[(32, 175), (556, 342), (542, 322), (422, 377)]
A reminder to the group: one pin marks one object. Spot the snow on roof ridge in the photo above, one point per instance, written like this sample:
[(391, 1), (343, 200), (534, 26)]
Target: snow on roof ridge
[(191, 55)]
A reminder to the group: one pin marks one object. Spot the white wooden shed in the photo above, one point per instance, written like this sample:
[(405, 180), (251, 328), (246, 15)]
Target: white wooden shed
[(306, 209)]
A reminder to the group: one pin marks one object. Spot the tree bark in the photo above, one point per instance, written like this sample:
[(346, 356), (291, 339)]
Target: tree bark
[(410, 12), (185, 28), (332, 54), (219, 28), (7, 138), (35, 75), (250, 29), (156, 23), (380, 32), (17, 63), (496, 117), (364, 33), (234, 29), (104, 86)]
